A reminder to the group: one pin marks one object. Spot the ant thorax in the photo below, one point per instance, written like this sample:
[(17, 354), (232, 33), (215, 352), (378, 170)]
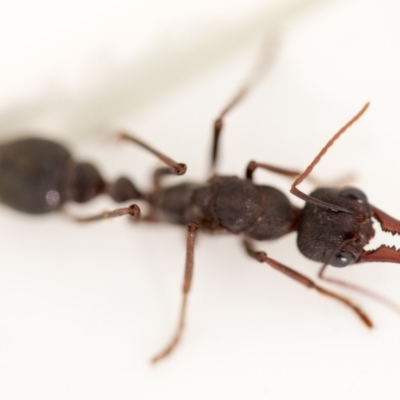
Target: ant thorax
[(239, 206)]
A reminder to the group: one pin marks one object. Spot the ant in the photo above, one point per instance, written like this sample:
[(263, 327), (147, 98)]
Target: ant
[(39, 176)]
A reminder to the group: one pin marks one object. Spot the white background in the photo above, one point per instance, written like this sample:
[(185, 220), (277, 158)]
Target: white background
[(82, 308)]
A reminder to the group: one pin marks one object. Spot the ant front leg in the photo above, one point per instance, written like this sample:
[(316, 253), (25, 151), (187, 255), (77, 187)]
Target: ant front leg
[(291, 173), (253, 165), (187, 283), (367, 292), (262, 257)]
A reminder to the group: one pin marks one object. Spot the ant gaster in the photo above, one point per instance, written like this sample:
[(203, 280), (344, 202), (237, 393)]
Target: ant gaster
[(38, 176)]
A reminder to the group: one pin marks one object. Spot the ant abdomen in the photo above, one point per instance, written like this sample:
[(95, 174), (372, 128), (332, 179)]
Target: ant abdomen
[(33, 175), (38, 176)]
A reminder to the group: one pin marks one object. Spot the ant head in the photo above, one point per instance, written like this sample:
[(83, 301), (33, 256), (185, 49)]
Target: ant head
[(331, 236), (337, 232), (336, 224)]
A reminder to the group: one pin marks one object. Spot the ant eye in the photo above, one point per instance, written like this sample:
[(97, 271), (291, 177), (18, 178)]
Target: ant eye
[(354, 193), (342, 259)]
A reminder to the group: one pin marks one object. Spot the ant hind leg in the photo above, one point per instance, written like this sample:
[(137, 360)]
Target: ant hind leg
[(187, 283)]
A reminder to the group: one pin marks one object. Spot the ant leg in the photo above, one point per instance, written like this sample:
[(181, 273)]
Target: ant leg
[(367, 292), (173, 168), (187, 282), (253, 165), (264, 61), (159, 174), (133, 211), (262, 257), (294, 190), (219, 123), (177, 168)]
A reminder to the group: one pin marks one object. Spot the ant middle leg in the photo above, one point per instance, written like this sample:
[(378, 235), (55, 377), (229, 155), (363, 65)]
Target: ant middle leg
[(263, 62), (187, 283), (262, 257)]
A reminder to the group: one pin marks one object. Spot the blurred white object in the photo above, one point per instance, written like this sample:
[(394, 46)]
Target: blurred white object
[(119, 57)]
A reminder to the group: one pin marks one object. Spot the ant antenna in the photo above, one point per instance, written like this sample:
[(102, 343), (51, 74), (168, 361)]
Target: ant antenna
[(316, 160), (364, 291)]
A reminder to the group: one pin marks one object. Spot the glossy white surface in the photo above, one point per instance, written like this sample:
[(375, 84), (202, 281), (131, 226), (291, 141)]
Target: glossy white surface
[(82, 308)]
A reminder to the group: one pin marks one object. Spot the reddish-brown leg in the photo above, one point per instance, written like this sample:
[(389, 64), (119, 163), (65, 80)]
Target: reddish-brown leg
[(133, 211), (367, 292), (159, 174), (173, 168), (262, 257), (291, 173), (177, 168), (253, 165), (265, 60), (187, 282)]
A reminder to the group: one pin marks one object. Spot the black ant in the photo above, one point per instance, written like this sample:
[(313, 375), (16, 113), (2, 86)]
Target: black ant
[(39, 176)]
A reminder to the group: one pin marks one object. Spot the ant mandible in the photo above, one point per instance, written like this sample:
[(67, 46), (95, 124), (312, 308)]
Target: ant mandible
[(38, 176)]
